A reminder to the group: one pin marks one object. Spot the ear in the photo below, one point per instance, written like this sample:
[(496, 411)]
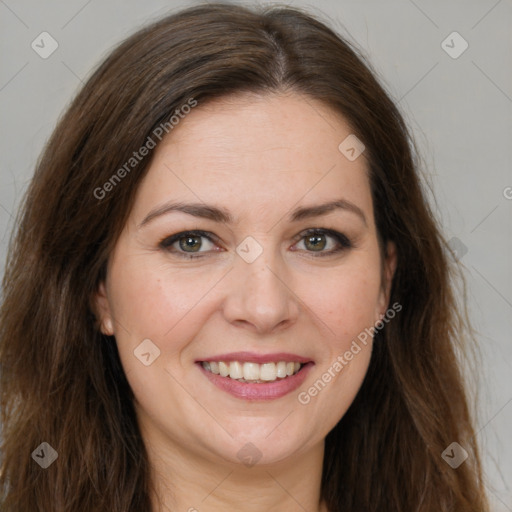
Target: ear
[(388, 271), (102, 309)]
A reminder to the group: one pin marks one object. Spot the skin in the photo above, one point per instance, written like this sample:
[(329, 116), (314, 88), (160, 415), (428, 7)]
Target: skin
[(259, 157)]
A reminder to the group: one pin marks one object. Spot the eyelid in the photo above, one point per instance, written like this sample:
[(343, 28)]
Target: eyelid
[(340, 237), (168, 241)]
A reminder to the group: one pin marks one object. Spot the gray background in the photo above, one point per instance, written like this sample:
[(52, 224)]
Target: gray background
[(460, 111)]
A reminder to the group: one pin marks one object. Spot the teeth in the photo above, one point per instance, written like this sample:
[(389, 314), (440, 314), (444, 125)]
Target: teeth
[(268, 371), (252, 372), (281, 369), (223, 369), (236, 371)]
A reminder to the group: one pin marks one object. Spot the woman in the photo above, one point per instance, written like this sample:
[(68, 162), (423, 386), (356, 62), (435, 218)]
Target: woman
[(227, 289)]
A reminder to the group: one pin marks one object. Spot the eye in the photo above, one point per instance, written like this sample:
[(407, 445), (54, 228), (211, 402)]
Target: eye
[(317, 239), (189, 243)]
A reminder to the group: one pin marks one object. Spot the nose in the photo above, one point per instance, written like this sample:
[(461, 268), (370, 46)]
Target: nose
[(259, 297)]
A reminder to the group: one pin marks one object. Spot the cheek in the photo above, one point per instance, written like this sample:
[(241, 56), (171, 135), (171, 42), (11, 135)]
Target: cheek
[(346, 300), (153, 302), (167, 306), (345, 304), (151, 299)]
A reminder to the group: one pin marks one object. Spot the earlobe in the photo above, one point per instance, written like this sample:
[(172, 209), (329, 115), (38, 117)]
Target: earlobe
[(102, 310), (390, 267), (107, 327)]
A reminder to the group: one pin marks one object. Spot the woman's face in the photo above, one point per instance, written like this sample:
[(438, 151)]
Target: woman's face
[(231, 261)]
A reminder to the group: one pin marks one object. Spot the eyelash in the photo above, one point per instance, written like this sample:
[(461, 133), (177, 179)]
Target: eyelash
[(343, 242)]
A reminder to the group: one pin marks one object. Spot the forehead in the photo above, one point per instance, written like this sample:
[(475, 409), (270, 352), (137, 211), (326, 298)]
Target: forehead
[(247, 150)]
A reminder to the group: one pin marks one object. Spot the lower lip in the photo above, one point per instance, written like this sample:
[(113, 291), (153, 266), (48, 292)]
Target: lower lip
[(261, 391)]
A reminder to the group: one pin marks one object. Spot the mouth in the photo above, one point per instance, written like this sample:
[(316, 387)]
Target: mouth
[(256, 377)]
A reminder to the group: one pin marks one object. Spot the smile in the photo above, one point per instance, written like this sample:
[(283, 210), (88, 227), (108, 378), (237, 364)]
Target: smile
[(256, 377)]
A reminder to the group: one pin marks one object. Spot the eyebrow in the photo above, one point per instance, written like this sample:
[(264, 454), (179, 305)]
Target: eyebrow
[(217, 214)]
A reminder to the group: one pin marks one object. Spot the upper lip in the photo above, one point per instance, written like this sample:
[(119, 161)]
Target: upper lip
[(253, 357)]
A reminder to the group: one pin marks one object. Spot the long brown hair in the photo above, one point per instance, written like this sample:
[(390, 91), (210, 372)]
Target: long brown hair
[(61, 379)]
